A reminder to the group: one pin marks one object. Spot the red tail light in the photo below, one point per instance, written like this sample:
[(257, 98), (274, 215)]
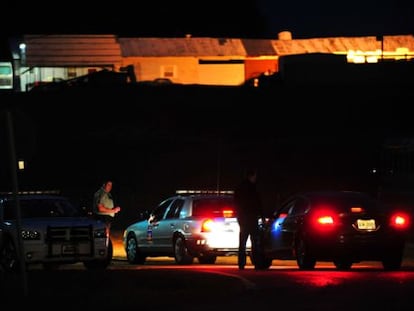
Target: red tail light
[(324, 219), (400, 221)]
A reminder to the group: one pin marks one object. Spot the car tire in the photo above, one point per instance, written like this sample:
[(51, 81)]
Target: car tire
[(262, 263), (134, 256), (181, 253), (9, 257), (393, 262), (259, 259), (100, 264), (343, 264), (303, 258)]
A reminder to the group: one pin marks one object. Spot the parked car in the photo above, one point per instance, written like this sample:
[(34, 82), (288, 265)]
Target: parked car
[(53, 231), (200, 225), (338, 226)]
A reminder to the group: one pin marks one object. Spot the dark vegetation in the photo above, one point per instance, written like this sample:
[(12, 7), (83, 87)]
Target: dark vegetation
[(153, 140)]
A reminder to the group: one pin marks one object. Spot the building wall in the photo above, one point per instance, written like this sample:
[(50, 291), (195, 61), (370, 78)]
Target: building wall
[(31, 77), (177, 69), (221, 73), (188, 70), (254, 67)]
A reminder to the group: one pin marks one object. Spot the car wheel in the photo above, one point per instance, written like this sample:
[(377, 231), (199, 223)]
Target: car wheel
[(303, 258), (134, 256), (181, 253), (263, 263), (343, 264), (100, 264), (207, 260), (8, 256), (260, 261)]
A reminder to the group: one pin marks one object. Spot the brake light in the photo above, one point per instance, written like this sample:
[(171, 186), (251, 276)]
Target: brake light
[(207, 225), (400, 221), (323, 219)]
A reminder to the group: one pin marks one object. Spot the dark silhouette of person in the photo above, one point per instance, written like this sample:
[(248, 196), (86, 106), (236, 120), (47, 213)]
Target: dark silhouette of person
[(248, 210)]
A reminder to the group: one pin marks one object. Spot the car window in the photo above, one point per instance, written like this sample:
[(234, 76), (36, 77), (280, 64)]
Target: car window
[(213, 207), (299, 207), (343, 204), (175, 209), (285, 209), (158, 213)]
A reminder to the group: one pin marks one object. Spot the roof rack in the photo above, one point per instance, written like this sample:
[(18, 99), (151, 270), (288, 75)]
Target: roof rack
[(204, 191), (32, 192)]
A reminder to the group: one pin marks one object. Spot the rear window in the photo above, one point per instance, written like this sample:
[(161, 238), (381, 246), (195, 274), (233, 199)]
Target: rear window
[(344, 204), (214, 207)]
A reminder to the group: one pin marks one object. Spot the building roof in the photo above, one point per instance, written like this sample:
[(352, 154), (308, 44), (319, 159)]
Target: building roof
[(102, 50), (259, 47), (71, 50), (197, 47), (342, 44)]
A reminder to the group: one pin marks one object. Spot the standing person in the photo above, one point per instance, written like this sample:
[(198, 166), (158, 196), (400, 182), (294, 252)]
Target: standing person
[(248, 210), (104, 207)]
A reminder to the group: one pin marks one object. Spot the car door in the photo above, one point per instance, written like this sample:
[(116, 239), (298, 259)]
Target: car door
[(167, 226), (155, 235), (278, 235), (292, 224)]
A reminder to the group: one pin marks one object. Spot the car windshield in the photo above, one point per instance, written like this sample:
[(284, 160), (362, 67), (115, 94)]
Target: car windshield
[(32, 208)]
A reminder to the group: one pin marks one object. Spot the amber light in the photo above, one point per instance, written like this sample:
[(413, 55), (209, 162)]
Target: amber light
[(207, 225), (356, 209), (228, 213)]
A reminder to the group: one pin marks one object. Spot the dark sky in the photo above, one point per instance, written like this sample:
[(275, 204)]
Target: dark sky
[(215, 18)]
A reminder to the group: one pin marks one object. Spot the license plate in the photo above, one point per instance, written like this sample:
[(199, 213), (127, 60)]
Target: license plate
[(68, 249), (366, 224)]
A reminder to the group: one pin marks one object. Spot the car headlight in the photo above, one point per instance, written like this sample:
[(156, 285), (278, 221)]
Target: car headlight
[(100, 233), (30, 235)]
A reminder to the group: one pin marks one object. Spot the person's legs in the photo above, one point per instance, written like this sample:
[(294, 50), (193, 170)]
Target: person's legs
[(243, 236), (255, 239)]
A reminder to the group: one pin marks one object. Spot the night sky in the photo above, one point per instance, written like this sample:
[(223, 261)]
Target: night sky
[(214, 18)]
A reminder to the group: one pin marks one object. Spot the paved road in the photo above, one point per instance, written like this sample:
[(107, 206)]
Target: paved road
[(171, 287), (161, 284)]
